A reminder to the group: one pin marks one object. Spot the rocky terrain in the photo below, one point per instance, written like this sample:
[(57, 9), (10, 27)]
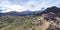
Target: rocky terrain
[(49, 19)]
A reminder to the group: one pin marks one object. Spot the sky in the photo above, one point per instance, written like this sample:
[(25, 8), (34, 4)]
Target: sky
[(26, 5)]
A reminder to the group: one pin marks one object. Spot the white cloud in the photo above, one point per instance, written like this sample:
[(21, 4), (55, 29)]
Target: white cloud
[(8, 6), (24, 5)]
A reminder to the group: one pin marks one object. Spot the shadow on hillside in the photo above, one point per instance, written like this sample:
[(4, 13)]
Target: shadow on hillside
[(51, 13)]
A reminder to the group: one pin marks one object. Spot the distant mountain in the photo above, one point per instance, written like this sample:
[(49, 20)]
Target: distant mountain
[(22, 13), (53, 9)]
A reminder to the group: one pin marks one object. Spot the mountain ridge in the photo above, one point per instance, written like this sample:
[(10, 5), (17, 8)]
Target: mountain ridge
[(53, 9)]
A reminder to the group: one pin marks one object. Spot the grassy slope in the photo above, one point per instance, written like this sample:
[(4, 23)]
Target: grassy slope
[(29, 22), (20, 22)]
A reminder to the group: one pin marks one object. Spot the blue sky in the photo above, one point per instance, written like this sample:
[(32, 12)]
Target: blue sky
[(27, 5)]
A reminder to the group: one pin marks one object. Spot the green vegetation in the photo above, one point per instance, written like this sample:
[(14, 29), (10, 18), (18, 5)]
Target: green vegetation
[(15, 22), (29, 22)]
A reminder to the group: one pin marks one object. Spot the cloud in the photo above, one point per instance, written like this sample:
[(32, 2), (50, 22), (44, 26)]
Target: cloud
[(25, 5), (7, 6)]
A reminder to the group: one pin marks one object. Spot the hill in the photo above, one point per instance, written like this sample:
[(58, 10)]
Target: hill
[(49, 19)]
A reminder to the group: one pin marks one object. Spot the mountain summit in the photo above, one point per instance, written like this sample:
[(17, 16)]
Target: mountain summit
[(53, 9)]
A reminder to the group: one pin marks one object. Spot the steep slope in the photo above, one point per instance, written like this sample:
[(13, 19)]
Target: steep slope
[(52, 15)]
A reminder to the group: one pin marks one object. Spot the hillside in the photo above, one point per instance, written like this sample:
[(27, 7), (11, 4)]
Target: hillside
[(49, 19)]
